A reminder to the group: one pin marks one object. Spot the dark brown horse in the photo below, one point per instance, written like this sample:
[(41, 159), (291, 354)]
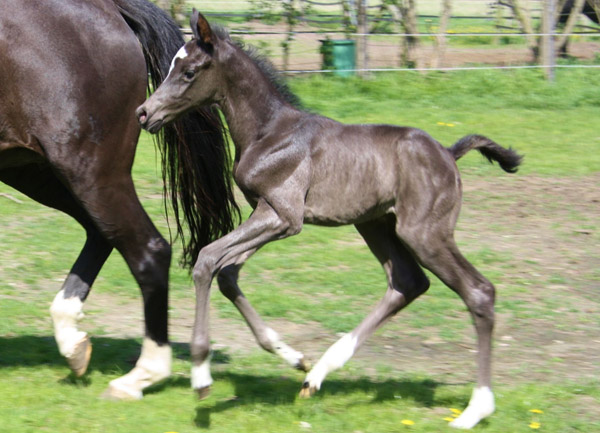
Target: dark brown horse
[(71, 75), (397, 185)]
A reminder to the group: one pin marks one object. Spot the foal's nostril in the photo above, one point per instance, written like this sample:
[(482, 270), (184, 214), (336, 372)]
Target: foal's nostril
[(141, 115)]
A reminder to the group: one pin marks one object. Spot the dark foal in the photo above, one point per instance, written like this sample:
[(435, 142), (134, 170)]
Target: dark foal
[(397, 185), (71, 76)]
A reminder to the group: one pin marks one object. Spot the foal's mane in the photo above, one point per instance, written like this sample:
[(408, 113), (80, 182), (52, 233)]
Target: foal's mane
[(264, 64)]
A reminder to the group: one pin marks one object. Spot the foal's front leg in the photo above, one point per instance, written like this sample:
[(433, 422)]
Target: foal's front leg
[(263, 226), (266, 337)]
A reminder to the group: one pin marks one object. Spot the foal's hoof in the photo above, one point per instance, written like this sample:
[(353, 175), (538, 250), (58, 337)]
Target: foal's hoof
[(79, 361), (307, 391), (203, 392), (303, 365)]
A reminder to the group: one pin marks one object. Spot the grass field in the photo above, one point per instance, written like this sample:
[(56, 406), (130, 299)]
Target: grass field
[(534, 234)]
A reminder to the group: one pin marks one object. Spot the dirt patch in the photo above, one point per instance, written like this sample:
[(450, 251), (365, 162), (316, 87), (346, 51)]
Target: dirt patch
[(549, 228)]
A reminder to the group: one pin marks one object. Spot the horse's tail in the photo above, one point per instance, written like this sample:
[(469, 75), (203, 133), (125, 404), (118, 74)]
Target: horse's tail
[(508, 159), (194, 150)]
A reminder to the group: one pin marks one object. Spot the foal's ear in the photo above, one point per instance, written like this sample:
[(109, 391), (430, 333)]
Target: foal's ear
[(201, 29)]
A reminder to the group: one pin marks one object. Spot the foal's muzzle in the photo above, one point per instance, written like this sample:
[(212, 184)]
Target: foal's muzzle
[(152, 126)]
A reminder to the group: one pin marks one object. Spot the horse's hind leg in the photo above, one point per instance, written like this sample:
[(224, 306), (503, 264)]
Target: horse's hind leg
[(107, 194), (66, 309), (406, 281), (444, 259), (266, 337), (39, 182)]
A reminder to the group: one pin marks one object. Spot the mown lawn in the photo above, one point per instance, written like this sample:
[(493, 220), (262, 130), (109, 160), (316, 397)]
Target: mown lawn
[(326, 278)]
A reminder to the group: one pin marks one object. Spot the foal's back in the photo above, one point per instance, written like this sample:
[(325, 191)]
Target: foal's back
[(360, 172)]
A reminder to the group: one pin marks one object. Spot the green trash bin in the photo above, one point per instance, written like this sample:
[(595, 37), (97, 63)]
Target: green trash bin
[(339, 55)]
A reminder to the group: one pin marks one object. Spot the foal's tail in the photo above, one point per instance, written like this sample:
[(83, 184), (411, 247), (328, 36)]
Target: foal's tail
[(508, 159), (195, 153)]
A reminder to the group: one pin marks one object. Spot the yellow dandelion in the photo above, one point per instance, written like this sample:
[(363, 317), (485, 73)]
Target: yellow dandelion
[(451, 125), (407, 422), (535, 425), (536, 411), (441, 123), (449, 419), (456, 411)]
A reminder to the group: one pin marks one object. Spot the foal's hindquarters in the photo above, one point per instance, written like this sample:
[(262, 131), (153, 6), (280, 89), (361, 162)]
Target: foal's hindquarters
[(416, 230)]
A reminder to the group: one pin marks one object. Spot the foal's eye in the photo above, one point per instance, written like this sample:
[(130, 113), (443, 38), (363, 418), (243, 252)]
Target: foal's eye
[(189, 74)]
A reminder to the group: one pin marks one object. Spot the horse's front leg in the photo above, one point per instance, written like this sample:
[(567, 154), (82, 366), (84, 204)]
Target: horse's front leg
[(263, 226), (266, 337)]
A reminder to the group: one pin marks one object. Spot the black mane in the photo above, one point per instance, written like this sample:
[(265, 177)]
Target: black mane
[(264, 64)]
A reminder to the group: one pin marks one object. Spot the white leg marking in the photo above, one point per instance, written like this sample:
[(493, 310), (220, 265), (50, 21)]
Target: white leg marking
[(480, 406), (292, 357), (65, 315), (181, 54), (153, 366), (335, 357), (201, 377)]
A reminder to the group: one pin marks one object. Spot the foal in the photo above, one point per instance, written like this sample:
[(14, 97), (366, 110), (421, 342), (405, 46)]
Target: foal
[(397, 185)]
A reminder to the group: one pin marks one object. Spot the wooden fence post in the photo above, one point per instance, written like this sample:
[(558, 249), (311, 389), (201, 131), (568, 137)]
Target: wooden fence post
[(548, 51)]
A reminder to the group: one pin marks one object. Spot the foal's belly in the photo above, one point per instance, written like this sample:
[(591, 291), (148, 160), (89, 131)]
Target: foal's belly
[(350, 196)]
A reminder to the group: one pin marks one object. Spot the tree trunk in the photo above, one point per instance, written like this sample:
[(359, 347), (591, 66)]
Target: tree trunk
[(412, 41), (522, 15), (563, 39), (596, 6), (440, 39)]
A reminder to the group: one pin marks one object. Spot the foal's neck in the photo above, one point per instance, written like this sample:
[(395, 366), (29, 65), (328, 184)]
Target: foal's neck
[(251, 104)]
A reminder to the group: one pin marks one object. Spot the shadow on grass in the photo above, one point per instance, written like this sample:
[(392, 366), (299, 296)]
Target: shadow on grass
[(116, 356), (269, 390), (109, 355)]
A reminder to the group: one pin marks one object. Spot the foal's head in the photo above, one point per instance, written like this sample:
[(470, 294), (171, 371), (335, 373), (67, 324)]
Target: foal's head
[(193, 80)]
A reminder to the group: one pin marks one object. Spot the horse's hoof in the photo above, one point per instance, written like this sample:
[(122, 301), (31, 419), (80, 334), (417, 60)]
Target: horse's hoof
[(307, 391), (203, 392), (303, 365), (79, 361), (116, 393)]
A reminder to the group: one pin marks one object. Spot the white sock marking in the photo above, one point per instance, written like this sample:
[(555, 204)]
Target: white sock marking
[(292, 357), (201, 377), (480, 406), (65, 315), (181, 54), (153, 365), (335, 357)]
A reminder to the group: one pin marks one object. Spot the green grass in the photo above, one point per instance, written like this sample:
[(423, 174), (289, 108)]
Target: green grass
[(551, 123), (326, 276)]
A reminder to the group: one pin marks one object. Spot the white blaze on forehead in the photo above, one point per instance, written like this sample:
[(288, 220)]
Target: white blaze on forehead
[(181, 54)]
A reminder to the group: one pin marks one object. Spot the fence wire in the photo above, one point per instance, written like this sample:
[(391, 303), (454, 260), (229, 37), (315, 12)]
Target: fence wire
[(386, 51)]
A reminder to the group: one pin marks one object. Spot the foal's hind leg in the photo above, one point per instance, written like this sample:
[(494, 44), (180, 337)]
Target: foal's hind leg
[(406, 281), (266, 337), (444, 259)]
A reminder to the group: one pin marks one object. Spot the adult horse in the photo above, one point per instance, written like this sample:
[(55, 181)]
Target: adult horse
[(397, 185), (71, 74)]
